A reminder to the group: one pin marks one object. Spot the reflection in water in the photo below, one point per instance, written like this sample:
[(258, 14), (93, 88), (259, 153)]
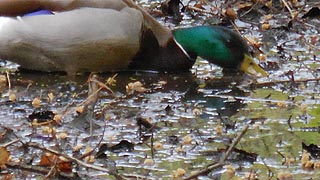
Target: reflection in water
[(223, 106), (114, 117), (179, 89)]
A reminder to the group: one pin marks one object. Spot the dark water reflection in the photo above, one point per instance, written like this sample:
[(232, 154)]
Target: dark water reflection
[(179, 104), (182, 92)]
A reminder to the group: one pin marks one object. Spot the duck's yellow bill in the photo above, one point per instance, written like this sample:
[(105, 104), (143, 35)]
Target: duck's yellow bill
[(249, 66)]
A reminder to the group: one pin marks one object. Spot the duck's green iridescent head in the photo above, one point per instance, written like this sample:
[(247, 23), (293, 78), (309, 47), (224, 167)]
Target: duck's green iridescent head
[(218, 45)]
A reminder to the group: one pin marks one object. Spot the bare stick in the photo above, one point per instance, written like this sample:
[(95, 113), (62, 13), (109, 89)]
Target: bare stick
[(96, 147), (288, 7), (73, 159), (199, 10), (8, 79), (209, 168), (234, 143), (37, 169)]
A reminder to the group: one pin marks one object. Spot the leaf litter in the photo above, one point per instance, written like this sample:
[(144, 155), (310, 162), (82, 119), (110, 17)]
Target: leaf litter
[(159, 125)]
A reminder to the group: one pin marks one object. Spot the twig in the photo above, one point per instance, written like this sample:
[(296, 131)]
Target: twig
[(98, 144), (94, 79), (10, 143), (269, 170), (222, 161), (8, 79), (53, 169), (199, 10), (288, 7), (247, 39), (252, 7), (234, 143), (37, 169), (252, 99), (274, 82), (289, 121), (215, 6), (134, 176), (73, 159), (92, 96)]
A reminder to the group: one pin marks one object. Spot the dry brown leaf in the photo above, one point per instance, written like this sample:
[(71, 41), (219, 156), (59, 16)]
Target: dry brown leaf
[(281, 104), (285, 176), (180, 149), (135, 87), (178, 173), (317, 165), (48, 129), (230, 171), (3, 79), (187, 139), (219, 129), (197, 111), (245, 5), (111, 81), (50, 97), (36, 102), (63, 165), (308, 165), (58, 118), (62, 135), (4, 156), (199, 6), (8, 177), (162, 82), (47, 159), (12, 97), (262, 57), (265, 26), (80, 109), (231, 13), (77, 148), (89, 159), (149, 162), (158, 146)]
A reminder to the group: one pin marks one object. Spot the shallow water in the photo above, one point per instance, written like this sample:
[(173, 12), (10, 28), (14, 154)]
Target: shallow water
[(195, 114)]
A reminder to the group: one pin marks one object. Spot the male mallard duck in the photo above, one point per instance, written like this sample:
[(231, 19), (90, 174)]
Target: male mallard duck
[(111, 35)]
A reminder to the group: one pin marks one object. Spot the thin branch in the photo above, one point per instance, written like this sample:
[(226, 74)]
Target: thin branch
[(10, 143), (37, 169), (234, 143), (92, 96), (252, 7), (199, 10), (73, 159), (275, 82), (288, 7), (209, 168), (98, 144), (253, 99), (8, 80)]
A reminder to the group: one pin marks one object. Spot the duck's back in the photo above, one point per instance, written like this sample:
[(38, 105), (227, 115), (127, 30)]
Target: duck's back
[(86, 39)]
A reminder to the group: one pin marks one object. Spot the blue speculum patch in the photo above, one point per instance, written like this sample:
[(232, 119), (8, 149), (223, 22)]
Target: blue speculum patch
[(39, 12)]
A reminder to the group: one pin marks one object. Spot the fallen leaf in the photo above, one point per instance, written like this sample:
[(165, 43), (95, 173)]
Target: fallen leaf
[(135, 87), (178, 173), (4, 156), (50, 97), (62, 164), (36, 102), (149, 162)]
